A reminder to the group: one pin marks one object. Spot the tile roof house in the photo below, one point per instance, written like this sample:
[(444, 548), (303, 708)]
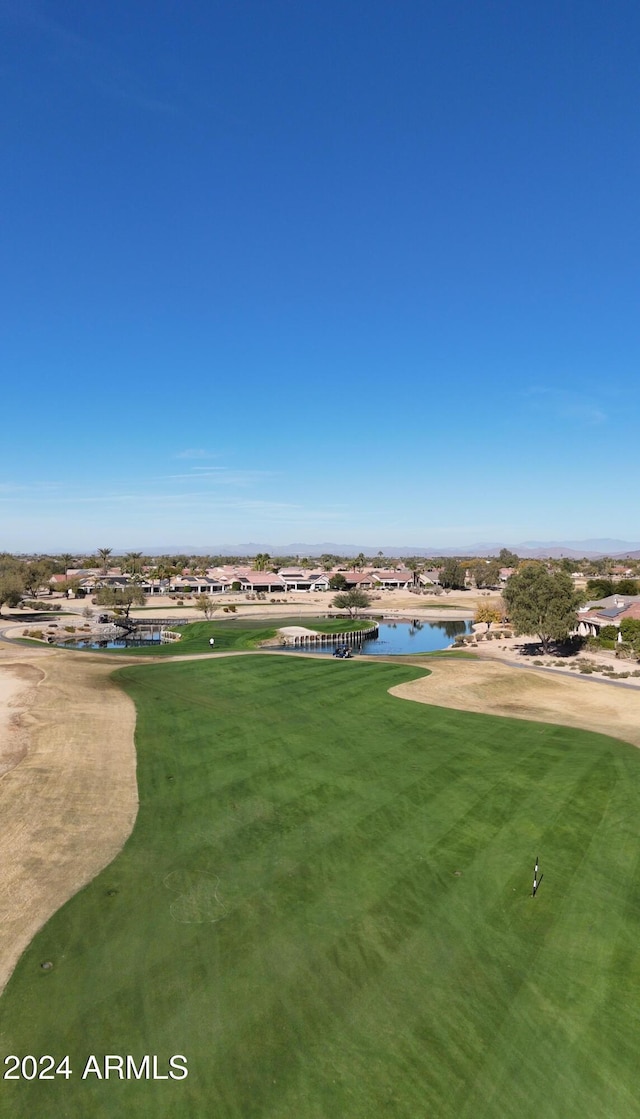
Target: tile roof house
[(363, 580), (263, 582), (430, 577), (393, 580), (506, 573), (591, 619)]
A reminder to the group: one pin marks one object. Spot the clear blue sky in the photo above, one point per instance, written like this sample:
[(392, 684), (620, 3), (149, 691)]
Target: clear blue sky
[(319, 270)]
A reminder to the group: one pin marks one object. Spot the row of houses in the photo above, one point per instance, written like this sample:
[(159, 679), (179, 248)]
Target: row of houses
[(223, 580)]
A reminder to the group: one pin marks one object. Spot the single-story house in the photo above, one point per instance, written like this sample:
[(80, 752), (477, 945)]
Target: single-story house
[(592, 618), (360, 580), (393, 580), (262, 582)]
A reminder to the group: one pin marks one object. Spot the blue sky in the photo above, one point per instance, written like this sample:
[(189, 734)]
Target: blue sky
[(318, 270)]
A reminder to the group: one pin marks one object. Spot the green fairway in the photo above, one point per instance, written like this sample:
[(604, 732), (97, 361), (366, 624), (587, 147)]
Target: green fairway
[(236, 633), (325, 905)]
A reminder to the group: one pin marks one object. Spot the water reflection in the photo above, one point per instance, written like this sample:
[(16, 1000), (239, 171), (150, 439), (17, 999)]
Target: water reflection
[(407, 637)]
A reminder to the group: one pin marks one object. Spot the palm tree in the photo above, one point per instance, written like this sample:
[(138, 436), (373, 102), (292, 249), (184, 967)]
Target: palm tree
[(103, 555), (132, 561), (66, 559)]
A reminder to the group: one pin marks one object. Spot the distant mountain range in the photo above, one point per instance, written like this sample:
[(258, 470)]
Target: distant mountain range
[(530, 549)]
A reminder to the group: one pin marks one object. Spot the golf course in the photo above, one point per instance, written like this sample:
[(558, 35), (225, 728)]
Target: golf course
[(325, 908)]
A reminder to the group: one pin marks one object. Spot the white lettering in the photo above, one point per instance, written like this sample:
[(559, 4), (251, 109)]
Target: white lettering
[(158, 1075), (138, 1073), (92, 1066), (180, 1071), (113, 1063)]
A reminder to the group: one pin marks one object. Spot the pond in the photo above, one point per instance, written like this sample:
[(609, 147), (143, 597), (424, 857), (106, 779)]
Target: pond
[(395, 638), (148, 636)]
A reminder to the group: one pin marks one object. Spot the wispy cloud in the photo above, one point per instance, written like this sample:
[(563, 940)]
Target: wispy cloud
[(564, 404), (220, 476)]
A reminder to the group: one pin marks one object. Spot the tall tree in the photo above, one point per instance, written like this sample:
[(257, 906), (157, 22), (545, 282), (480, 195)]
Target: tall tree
[(328, 560), (36, 575), (11, 589), (627, 587), (452, 574), (507, 558), (103, 556), (337, 582), (541, 603), (121, 598), (600, 588), (486, 574), (132, 562)]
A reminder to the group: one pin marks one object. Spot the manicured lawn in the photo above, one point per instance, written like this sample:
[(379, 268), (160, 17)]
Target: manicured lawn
[(235, 633), (325, 906)]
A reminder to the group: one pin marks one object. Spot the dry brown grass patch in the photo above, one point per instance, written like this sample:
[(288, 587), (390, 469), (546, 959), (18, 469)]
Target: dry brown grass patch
[(492, 688)]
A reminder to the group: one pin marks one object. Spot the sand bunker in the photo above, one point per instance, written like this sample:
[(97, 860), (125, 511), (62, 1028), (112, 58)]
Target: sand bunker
[(68, 794), (297, 631)]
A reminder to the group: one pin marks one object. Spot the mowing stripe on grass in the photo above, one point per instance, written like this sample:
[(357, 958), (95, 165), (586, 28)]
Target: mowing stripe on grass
[(325, 904)]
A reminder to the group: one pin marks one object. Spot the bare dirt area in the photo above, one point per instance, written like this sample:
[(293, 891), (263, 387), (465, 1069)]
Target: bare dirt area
[(448, 604), (492, 688), (525, 651), (68, 793), (17, 682)]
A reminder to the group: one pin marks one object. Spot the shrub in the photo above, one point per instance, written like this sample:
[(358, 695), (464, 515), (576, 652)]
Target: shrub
[(37, 633), (40, 606)]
